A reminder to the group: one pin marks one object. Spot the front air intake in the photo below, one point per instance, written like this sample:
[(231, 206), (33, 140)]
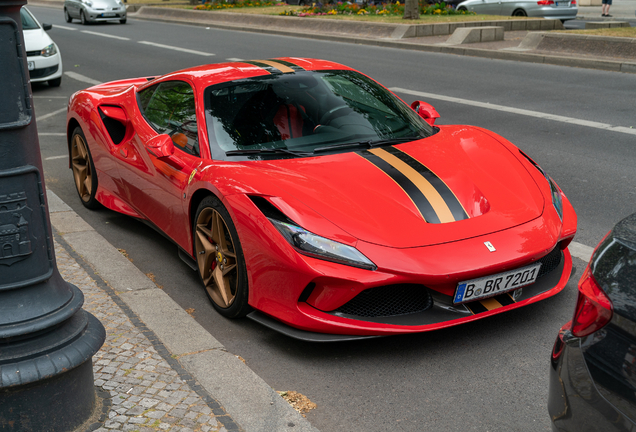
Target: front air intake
[(389, 300)]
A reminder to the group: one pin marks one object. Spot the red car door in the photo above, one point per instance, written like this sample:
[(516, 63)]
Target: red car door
[(154, 183)]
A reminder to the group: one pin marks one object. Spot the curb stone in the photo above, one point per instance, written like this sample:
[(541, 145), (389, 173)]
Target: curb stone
[(232, 394)]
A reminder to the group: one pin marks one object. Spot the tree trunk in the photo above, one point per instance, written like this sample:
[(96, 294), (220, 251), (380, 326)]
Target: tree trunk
[(411, 9)]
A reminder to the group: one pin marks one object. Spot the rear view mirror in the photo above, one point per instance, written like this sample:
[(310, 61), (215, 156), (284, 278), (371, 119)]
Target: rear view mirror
[(426, 111), (47, 27), (161, 146)]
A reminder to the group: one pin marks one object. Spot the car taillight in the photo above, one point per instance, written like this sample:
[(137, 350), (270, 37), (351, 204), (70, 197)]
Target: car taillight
[(593, 308), (545, 2), (573, 3), (559, 344)]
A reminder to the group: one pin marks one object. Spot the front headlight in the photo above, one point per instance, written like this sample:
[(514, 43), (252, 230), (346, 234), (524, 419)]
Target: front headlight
[(557, 201), (315, 246), (48, 51), (88, 3)]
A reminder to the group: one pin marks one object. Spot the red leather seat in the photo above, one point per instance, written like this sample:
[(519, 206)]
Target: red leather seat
[(289, 121)]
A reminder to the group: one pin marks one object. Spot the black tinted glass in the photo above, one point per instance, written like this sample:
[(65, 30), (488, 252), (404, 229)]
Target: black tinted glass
[(305, 111)]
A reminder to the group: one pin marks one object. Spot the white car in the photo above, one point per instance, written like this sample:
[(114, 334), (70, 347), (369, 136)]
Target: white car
[(43, 55)]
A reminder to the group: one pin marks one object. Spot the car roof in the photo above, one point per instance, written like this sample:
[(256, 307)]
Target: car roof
[(210, 74)]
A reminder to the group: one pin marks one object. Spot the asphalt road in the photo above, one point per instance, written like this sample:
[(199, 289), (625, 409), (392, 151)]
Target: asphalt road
[(485, 376)]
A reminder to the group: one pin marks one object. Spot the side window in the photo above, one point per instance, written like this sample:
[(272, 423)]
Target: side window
[(169, 108)]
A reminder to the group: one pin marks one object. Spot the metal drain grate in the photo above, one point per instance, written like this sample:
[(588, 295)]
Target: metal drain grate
[(388, 300)]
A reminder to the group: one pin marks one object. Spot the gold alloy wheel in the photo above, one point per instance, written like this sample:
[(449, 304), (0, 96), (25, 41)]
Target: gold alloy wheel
[(216, 257), (81, 168)]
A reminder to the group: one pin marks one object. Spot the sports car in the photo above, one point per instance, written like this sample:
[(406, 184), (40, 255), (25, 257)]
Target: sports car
[(313, 200)]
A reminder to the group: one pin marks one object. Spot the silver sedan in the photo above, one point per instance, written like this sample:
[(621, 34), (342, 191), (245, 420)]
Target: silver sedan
[(88, 11), (550, 9)]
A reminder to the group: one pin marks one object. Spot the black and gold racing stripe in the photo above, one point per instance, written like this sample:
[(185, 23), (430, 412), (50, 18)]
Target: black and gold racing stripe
[(289, 64), (479, 306), (275, 66), (447, 195), (417, 197), (433, 199)]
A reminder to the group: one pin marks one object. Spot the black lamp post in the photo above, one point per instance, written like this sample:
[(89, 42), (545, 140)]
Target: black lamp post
[(46, 339)]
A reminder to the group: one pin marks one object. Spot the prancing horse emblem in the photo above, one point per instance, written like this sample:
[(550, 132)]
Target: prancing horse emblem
[(490, 247)]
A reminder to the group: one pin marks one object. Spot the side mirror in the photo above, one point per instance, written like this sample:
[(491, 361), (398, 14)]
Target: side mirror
[(161, 146), (426, 111), (47, 27)]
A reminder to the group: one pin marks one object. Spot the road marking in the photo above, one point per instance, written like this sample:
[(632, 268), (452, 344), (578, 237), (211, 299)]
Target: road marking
[(176, 48), (81, 78), (50, 97), (234, 59), (51, 134), (57, 157), (64, 27), (581, 251), (105, 35), (537, 114), (45, 116)]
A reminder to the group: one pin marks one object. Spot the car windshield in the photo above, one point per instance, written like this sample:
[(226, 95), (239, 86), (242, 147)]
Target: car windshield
[(28, 23), (305, 113)]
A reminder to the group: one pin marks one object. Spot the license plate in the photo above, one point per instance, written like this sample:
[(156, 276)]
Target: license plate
[(493, 285), (563, 3), (108, 15), (31, 65)]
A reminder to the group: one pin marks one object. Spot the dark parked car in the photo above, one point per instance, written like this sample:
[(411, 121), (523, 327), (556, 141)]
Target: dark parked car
[(593, 373)]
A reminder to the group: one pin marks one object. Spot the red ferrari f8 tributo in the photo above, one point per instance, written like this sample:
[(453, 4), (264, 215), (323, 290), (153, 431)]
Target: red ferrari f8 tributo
[(315, 201)]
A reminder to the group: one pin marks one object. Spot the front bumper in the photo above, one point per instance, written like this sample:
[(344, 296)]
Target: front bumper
[(45, 68), (307, 293), (96, 15)]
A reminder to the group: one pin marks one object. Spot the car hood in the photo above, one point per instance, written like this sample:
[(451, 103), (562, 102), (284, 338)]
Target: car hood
[(462, 169), (100, 4), (36, 39)]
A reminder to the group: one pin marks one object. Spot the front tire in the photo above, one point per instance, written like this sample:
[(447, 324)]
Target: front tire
[(83, 170), (220, 259), (122, 21), (55, 82), (463, 9), (67, 17), (83, 18)]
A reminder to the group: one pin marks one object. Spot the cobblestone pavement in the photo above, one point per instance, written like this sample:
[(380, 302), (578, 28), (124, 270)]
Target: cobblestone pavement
[(144, 390)]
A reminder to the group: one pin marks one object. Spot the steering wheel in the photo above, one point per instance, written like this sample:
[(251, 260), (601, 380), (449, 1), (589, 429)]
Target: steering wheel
[(327, 116)]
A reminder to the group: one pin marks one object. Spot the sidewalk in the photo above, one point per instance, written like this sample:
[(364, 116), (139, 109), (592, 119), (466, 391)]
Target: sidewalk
[(158, 370), (621, 10)]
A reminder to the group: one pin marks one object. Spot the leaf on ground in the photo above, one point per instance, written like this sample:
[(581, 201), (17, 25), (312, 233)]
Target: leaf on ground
[(124, 253), (151, 276), (299, 402)]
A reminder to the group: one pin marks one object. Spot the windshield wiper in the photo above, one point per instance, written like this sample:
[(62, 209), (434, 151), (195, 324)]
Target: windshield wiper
[(367, 144), (265, 151)]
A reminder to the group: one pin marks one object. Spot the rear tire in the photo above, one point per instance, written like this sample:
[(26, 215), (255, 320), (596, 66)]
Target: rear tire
[(55, 82), (67, 17), (519, 13), (84, 174)]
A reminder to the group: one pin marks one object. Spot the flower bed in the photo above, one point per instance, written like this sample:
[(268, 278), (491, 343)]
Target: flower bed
[(214, 5), (388, 9)]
